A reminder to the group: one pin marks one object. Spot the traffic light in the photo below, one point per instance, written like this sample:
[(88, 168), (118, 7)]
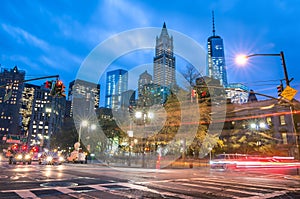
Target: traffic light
[(279, 90), (35, 149), (204, 94), (60, 88), (24, 148), (48, 84), (194, 93), (14, 147)]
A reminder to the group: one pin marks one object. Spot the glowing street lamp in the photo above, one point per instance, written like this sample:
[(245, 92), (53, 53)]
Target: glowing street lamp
[(242, 60), (83, 123), (143, 116)]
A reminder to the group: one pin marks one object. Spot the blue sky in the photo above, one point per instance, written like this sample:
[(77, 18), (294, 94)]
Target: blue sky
[(54, 37)]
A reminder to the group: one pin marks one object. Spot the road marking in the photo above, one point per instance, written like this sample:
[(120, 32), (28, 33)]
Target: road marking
[(163, 193), (181, 188), (64, 190), (26, 194)]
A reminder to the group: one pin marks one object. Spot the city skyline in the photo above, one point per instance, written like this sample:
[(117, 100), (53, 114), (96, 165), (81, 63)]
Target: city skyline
[(60, 39)]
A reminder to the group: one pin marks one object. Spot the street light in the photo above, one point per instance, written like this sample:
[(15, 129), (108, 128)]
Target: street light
[(242, 59), (83, 123), (143, 117)]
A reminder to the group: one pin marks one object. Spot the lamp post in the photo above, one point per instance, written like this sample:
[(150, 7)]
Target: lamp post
[(144, 116), (130, 135), (83, 123), (242, 59)]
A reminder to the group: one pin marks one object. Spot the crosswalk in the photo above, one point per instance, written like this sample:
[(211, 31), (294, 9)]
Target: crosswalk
[(177, 188)]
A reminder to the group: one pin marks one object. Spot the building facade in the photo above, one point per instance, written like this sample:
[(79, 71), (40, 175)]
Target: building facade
[(86, 93), (216, 67), (47, 114), (237, 93), (164, 61), (116, 84), (11, 87), (266, 119), (128, 99), (144, 78)]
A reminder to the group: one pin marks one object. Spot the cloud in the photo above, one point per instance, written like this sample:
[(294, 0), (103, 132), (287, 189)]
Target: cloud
[(23, 59), (23, 36)]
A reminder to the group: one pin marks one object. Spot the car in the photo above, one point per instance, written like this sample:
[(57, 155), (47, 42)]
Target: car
[(21, 157), (77, 157), (245, 161), (51, 158)]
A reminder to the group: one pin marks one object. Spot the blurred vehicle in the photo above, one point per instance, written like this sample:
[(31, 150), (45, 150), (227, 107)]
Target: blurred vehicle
[(51, 158), (35, 153), (244, 161), (77, 157), (36, 156), (19, 156)]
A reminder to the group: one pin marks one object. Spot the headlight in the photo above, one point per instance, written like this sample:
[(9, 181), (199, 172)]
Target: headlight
[(61, 159), (19, 157), (49, 159), (27, 156)]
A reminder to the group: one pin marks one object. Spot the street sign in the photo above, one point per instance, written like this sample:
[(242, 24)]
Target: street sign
[(289, 93)]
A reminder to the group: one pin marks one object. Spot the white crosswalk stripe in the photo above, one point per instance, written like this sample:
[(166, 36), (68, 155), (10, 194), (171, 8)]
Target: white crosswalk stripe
[(179, 188)]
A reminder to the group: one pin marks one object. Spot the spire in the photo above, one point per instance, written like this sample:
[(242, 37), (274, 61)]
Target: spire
[(213, 22), (164, 31)]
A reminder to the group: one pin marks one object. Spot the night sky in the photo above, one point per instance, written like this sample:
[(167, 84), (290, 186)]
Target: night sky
[(55, 37)]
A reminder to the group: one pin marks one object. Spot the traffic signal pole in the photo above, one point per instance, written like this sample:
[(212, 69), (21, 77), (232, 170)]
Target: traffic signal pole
[(39, 78)]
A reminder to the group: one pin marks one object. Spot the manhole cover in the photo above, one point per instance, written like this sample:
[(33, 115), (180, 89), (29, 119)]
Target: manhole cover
[(59, 184)]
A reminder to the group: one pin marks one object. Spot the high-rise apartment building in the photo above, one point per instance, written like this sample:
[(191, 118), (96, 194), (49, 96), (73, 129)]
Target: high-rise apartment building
[(42, 114), (164, 60), (215, 58), (87, 93), (116, 84), (27, 104), (11, 87)]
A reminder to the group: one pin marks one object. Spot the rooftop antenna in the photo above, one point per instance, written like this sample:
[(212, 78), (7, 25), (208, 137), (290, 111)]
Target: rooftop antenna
[(213, 21)]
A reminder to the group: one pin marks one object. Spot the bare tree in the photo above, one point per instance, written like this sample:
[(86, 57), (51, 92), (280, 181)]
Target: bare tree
[(191, 74)]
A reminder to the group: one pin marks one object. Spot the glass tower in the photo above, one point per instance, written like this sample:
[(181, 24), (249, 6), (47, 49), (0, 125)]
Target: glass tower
[(216, 59), (116, 84)]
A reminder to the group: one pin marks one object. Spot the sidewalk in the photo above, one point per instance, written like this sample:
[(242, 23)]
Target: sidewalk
[(179, 164)]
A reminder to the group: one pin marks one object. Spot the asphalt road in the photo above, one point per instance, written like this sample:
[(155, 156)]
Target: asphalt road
[(98, 181)]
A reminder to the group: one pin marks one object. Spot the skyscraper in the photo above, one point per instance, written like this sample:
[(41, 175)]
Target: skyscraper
[(116, 84), (11, 82), (216, 59), (47, 114), (86, 93), (164, 60)]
